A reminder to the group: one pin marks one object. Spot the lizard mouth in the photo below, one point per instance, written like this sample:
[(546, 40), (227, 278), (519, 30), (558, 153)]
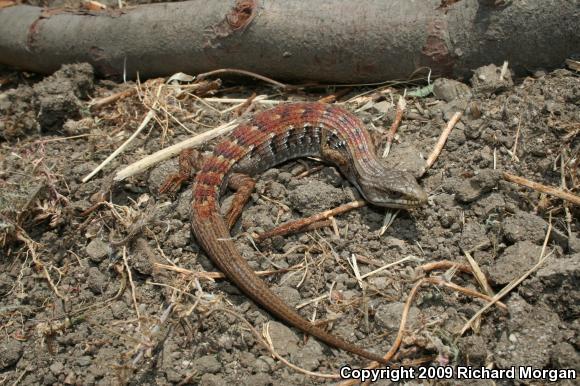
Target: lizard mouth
[(404, 201), (394, 199)]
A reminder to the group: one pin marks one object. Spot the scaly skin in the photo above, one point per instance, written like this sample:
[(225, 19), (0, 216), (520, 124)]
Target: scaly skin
[(274, 136)]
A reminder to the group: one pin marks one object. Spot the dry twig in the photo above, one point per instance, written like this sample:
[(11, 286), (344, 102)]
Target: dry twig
[(441, 141), (294, 226), (557, 192), (401, 106), (98, 103)]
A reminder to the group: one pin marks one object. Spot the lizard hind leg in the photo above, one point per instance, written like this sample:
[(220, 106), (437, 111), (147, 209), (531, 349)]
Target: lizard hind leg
[(190, 160), (244, 186)]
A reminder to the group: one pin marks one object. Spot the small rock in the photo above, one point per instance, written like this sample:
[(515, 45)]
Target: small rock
[(70, 379), (380, 282), (556, 284), (474, 128), (524, 226), (96, 281), (389, 315), (246, 359), (491, 204), (97, 250), (226, 342), (10, 353), (383, 106), (207, 364), (574, 244), (486, 80), (260, 379), (48, 378), (18, 118), (56, 368), (270, 174), (537, 332), (290, 295), (118, 309), (84, 360), (471, 189), (183, 208), (75, 127), (257, 216), (314, 196), (284, 339), (180, 238), (141, 262), (308, 357), (539, 73), (473, 234), (473, 350), (264, 364), (173, 376), (514, 262), (285, 177), (456, 139), (405, 156), (449, 89), (276, 190), (212, 380), (58, 95)]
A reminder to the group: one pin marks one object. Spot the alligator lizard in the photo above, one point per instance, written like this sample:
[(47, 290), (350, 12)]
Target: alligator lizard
[(272, 137)]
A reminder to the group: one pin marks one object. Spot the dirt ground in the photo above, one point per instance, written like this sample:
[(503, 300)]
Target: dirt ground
[(103, 283)]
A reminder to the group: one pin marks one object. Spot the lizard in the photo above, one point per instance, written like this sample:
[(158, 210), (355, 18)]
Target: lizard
[(271, 137)]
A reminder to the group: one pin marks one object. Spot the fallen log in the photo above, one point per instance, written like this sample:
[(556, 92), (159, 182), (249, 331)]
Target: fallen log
[(338, 41)]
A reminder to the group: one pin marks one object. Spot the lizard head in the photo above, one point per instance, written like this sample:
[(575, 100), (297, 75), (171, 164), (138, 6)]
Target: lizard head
[(356, 159), (392, 189)]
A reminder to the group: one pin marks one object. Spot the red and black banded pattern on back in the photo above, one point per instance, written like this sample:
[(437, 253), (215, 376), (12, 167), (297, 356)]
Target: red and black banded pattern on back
[(271, 137)]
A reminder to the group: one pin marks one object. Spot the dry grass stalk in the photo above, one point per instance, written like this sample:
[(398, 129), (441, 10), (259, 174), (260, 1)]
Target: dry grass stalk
[(132, 285), (173, 150), (556, 192), (120, 149), (242, 72), (218, 275), (410, 257), (390, 216), (260, 99), (479, 276)]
